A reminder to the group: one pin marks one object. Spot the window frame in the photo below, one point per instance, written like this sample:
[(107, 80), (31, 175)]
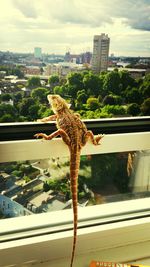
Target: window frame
[(128, 220), (122, 241)]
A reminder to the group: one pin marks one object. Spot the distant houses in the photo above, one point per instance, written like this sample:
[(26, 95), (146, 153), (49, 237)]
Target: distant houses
[(10, 208)]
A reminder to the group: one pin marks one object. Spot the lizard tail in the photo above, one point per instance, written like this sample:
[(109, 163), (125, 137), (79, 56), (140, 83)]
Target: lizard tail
[(74, 170)]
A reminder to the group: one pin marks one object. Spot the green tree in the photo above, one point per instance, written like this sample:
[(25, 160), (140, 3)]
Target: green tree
[(145, 87), (7, 118), (58, 90), (26, 169), (75, 79), (108, 171), (6, 109), (92, 103), (133, 95), (81, 96), (74, 83), (109, 100), (102, 79), (61, 90), (72, 91), (45, 113), (18, 98), (40, 94), (133, 109), (92, 84), (46, 186), (126, 79), (10, 168), (103, 168), (6, 97), (112, 82), (145, 107), (33, 112), (17, 173), (25, 105), (112, 100), (34, 81), (22, 119), (53, 80), (114, 110), (89, 114), (27, 179), (16, 71)]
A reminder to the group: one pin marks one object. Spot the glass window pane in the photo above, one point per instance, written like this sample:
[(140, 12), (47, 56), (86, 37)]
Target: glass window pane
[(41, 186)]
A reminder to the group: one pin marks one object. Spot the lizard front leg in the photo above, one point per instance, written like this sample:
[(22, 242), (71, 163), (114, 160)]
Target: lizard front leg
[(90, 135), (60, 132), (49, 118)]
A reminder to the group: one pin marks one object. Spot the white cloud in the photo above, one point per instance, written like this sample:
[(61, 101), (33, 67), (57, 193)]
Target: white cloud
[(27, 8), (136, 12), (57, 25)]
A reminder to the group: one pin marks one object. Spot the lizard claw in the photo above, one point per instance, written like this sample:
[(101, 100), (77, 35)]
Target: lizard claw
[(37, 135), (98, 138), (42, 135)]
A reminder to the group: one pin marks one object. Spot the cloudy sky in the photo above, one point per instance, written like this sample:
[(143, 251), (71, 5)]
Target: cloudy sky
[(61, 25)]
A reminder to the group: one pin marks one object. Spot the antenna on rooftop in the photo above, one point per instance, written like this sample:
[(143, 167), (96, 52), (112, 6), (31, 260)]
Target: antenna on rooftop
[(68, 49)]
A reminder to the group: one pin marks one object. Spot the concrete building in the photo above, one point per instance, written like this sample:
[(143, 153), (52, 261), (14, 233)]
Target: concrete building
[(86, 57), (38, 52), (135, 73), (10, 208), (78, 59), (63, 68), (100, 53), (32, 70)]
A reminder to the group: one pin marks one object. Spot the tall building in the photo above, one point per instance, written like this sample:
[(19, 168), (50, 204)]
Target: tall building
[(38, 52), (100, 53)]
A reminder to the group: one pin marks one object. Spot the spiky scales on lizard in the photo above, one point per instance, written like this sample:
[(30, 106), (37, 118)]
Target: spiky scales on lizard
[(75, 135)]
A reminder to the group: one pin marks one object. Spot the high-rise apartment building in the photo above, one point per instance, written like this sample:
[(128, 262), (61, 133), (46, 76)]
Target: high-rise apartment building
[(100, 53), (38, 52)]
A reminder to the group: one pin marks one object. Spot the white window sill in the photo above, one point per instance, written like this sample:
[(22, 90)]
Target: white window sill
[(121, 240)]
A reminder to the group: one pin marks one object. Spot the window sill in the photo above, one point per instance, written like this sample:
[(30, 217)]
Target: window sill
[(125, 239)]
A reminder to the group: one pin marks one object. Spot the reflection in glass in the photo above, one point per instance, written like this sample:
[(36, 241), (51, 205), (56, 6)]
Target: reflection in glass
[(42, 186)]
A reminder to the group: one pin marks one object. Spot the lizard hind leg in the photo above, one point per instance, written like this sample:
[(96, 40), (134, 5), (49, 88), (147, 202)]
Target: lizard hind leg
[(89, 135)]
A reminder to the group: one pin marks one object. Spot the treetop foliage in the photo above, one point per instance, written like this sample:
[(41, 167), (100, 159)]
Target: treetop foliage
[(107, 94), (33, 82)]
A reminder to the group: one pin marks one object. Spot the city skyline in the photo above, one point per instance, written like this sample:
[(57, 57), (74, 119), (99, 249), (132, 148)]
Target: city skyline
[(71, 27)]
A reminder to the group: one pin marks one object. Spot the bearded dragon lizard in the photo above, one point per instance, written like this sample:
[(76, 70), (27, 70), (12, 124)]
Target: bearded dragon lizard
[(75, 134)]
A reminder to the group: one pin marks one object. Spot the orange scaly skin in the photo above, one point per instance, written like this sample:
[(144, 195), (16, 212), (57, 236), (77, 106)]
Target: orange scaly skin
[(75, 134)]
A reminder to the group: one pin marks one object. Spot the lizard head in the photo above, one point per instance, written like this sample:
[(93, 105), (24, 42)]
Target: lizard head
[(57, 103)]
